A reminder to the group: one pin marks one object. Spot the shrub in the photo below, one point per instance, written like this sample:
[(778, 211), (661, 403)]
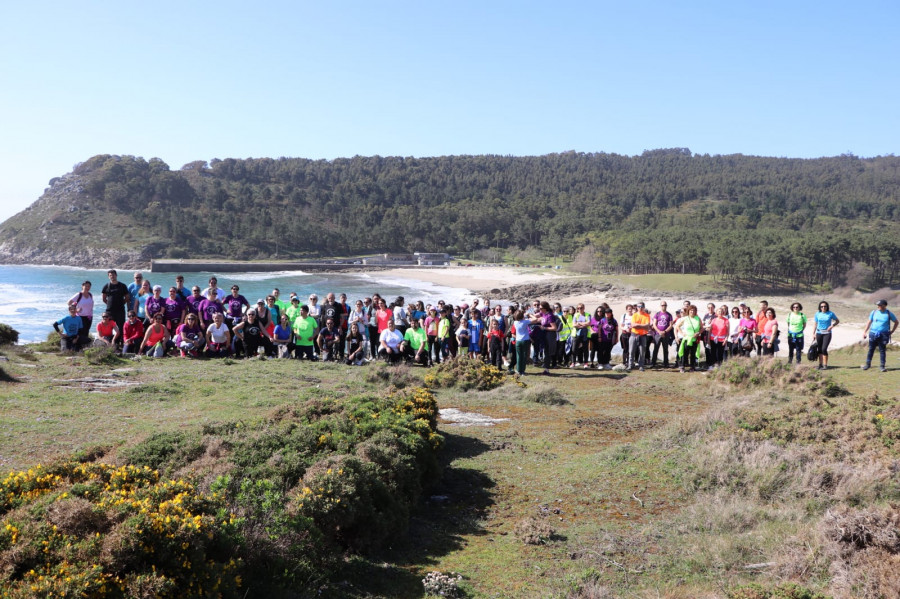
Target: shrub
[(98, 530), (164, 450), (534, 531), (8, 335), (782, 591), (464, 373), (102, 355), (443, 584), (399, 376)]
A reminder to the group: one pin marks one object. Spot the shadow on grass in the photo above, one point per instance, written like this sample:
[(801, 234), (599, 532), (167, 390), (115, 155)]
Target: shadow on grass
[(453, 508)]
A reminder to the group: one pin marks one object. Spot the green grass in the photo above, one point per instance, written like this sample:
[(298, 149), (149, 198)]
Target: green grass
[(620, 461)]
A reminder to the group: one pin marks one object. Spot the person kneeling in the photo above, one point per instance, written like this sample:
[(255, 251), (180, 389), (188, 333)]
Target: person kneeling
[(329, 341), (389, 343), (107, 332), (219, 337), (189, 337), (156, 340), (415, 343), (252, 336), (71, 327)]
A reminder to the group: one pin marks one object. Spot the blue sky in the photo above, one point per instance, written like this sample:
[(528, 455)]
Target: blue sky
[(187, 81)]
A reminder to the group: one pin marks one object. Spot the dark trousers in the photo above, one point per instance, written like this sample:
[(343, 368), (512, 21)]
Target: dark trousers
[(625, 341), (580, 349), (434, 352), (304, 352), (795, 345), (549, 349), (879, 341), (523, 349), (604, 352), (664, 341)]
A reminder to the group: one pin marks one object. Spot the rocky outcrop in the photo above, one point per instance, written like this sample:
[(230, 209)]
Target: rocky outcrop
[(550, 289), (84, 257)]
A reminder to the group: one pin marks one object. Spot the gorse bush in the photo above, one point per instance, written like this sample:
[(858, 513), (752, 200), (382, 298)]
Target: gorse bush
[(79, 529), (290, 494), (465, 374)]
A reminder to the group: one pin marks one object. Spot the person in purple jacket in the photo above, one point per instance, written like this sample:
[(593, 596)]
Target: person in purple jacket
[(234, 306), (609, 336), (209, 307), (155, 303), (174, 310)]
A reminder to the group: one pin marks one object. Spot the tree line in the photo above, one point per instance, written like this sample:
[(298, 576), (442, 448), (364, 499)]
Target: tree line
[(809, 220)]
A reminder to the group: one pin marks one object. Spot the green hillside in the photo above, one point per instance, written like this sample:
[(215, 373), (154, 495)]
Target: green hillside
[(664, 211)]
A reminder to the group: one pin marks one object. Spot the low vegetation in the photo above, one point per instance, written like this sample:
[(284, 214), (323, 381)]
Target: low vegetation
[(757, 480)]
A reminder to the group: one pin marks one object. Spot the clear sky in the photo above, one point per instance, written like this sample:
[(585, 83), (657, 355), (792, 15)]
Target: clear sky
[(194, 80)]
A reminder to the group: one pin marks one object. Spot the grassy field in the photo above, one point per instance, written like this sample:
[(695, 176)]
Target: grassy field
[(654, 484)]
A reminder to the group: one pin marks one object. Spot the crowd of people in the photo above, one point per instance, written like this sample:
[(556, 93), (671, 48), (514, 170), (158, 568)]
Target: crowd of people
[(211, 322)]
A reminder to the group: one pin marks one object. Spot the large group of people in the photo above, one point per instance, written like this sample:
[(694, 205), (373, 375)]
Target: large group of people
[(211, 322)]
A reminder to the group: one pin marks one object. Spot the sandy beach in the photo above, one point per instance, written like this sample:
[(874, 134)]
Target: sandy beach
[(852, 311)]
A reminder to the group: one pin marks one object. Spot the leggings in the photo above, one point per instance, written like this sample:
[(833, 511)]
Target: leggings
[(823, 340), (595, 348), (624, 340), (434, 349), (717, 352), (581, 349), (604, 352)]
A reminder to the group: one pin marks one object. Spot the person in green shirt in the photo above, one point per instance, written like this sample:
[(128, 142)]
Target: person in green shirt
[(293, 310), (415, 343), (305, 331), (796, 322)]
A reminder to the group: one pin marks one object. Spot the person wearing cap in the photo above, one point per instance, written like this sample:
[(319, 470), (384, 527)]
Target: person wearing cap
[(881, 325), (264, 316), (293, 310)]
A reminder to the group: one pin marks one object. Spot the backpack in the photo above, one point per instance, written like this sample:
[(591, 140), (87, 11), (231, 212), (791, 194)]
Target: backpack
[(812, 354)]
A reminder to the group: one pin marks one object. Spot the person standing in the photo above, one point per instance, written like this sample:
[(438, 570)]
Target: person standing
[(825, 321), (522, 331), (640, 333), (796, 323), (879, 330), (84, 304), (116, 297), (662, 324), (135, 286)]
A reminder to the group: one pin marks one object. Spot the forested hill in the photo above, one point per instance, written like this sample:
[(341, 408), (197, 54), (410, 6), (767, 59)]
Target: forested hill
[(666, 210)]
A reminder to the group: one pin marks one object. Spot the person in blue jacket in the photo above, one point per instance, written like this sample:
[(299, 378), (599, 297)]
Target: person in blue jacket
[(881, 325), (71, 325)]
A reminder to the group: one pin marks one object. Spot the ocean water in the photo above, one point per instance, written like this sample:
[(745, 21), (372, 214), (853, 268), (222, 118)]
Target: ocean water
[(32, 298)]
